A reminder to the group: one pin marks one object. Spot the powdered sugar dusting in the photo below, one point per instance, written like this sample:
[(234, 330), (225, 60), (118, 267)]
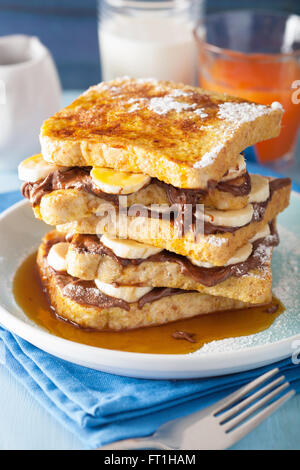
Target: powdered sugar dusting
[(277, 106), (216, 241), (221, 134), (241, 112), (200, 112), (209, 157), (166, 103), (135, 107), (286, 286), (177, 92), (263, 253)]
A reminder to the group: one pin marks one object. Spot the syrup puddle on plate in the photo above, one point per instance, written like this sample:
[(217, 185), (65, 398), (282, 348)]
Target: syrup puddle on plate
[(203, 329)]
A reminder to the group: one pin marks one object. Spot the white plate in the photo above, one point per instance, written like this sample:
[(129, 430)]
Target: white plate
[(20, 234)]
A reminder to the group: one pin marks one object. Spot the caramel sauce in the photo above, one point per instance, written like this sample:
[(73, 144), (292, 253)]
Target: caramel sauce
[(30, 297)]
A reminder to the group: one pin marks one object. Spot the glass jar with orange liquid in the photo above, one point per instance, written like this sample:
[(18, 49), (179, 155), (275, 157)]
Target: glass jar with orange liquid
[(255, 55)]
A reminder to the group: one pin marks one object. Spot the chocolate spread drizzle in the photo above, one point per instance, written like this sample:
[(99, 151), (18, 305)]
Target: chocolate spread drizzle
[(87, 293), (158, 293), (67, 178), (258, 213), (207, 276), (79, 178), (184, 335), (240, 186)]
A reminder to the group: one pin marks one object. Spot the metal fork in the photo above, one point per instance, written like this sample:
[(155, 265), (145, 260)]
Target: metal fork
[(220, 425)]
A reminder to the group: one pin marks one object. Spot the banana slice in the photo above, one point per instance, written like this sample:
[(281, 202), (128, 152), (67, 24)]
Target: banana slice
[(237, 170), (129, 249), (118, 182), (232, 218), (57, 256), (264, 232), (34, 169), (260, 189), (127, 293), (239, 256)]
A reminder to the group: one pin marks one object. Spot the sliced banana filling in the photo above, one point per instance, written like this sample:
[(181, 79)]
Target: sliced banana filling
[(57, 256), (241, 255), (264, 232), (260, 192), (238, 170), (129, 249), (230, 218), (260, 189), (128, 293), (57, 260), (118, 182), (35, 168)]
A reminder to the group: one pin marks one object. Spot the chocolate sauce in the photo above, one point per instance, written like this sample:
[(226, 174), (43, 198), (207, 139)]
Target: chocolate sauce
[(91, 244), (240, 186), (68, 178), (158, 293), (184, 335), (259, 209), (87, 293), (79, 178), (206, 276), (272, 309)]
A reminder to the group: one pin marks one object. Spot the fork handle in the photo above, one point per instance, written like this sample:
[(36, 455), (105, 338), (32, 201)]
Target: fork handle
[(135, 444)]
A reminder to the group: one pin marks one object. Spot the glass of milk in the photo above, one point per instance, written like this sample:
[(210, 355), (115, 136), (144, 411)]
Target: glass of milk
[(144, 39)]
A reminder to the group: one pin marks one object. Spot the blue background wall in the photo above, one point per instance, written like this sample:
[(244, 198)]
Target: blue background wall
[(69, 29)]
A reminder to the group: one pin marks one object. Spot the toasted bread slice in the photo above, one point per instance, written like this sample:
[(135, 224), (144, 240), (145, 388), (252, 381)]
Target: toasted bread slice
[(166, 309), (182, 135), (248, 282), (216, 248), (65, 205)]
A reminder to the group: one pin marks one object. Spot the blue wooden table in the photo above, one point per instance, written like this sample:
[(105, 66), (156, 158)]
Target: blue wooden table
[(24, 424)]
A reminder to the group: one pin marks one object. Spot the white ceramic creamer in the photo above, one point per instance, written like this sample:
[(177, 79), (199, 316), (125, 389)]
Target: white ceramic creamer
[(30, 92)]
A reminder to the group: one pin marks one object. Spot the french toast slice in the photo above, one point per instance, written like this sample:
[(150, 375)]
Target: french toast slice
[(216, 248), (173, 306), (249, 281), (70, 203), (182, 135)]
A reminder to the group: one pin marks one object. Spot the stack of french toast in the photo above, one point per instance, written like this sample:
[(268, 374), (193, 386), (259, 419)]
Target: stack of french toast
[(156, 217)]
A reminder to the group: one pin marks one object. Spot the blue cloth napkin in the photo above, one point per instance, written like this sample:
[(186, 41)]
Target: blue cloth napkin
[(100, 407)]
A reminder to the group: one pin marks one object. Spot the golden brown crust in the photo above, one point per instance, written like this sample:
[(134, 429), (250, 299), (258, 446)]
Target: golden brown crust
[(162, 311), (118, 125)]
